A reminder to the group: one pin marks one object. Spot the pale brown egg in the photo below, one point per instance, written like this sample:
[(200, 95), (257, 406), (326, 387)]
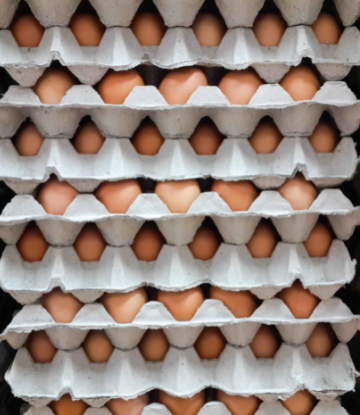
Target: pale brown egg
[(115, 87), (62, 307), (66, 406), (149, 28), (205, 243), (266, 342), (240, 86), (53, 85), (300, 83), (319, 241), (32, 245), (87, 29), (90, 244), (88, 139), (324, 138), (40, 347), (238, 195), (266, 137), (299, 300), (128, 407), (147, 139), (239, 405), (55, 196), (124, 307), (302, 403), (182, 305), (298, 192), (148, 242), (321, 341), (327, 29), (209, 29), (117, 197), (183, 406), (179, 84), (98, 346), (178, 196), (263, 242), (269, 28), (210, 344), (28, 141), (206, 139), (27, 31), (242, 304), (154, 345)]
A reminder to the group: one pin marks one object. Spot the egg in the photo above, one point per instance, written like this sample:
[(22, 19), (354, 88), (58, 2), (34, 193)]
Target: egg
[(124, 307), (302, 403), (56, 196), (206, 139), (298, 192), (300, 83), (98, 346), (182, 305), (115, 87), (240, 86), (263, 242), (269, 28), (66, 406), (148, 28), (183, 406), (324, 138), (32, 245), (178, 196), (210, 344), (117, 197), (90, 244), (266, 137), (148, 242), (27, 31), (179, 84), (88, 139), (147, 139), (154, 345), (62, 307), (87, 29), (327, 29), (28, 141), (321, 341), (299, 300), (40, 347), (319, 241), (238, 195), (205, 243), (238, 405), (266, 342), (209, 29), (242, 304), (128, 407), (53, 85)]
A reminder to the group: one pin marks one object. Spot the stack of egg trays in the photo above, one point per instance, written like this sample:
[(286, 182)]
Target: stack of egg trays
[(182, 373)]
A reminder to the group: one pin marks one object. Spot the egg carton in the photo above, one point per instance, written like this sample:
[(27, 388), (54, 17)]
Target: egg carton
[(175, 269)]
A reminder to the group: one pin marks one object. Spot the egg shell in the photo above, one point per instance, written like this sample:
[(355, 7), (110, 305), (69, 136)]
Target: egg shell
[(90, 244), (32, 245), (319, 241), (27, 31), (98, 346), (238, 405), (266, 137), (269, 28), (88, 139), (263, 242), (206, 139), (321, 341), (324, 138), (209, 29), (148, 28), (183, 406), (238, 195), (147, 139), (300, 83), (242, 304), (128, 407), (210, 343), (298, 192), (302, 403), (266, 342), (179, 195), (148, 242), (28, 141), (40, 347), (62, 307), (154, 345), (87, 29), (205, 243), (66, 406), (327, 29)]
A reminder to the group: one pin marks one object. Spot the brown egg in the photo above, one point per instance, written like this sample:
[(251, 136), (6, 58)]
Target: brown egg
[(154, 345), (239, 405), (240, 86), (90, 244), (321, 341), (32, 245), (53, 85), (209, 29), (148, 28), (28, 141), (27, 31), (124, 307), (319, 241), (128, 407), (87, 28), (179, 84), (88, 139), (147, 139), (62, 307), (98, 346), (324, 138), (238, 195), (183, 305), (66, 406), (263, 242), (206, 139), (242, 304), (115, 87), (40, 347), (210, 343), (117, 197), (178, 196), (205, 243), (269, 28), (302, 403), (183, 406), (298, 192), (266, 342), (148, 242), (299, 300), (56, 196), (300, 83), (327, 29), (266, 137)]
